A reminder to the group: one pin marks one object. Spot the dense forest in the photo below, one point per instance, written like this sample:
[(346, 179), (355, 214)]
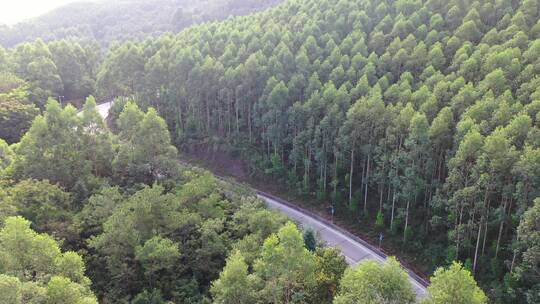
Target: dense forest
[(418, 116), (418, 119), (110, 21), (33, 72), (89, 215)]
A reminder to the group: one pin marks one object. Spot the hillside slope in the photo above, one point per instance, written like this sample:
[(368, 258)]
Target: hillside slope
[(108, 21), (421, 117)]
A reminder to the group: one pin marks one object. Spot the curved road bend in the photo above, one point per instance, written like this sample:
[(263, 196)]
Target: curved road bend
[(353, 248)]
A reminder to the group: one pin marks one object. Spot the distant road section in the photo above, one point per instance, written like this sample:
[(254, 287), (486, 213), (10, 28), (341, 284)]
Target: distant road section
[(103, 109), (353, 248)]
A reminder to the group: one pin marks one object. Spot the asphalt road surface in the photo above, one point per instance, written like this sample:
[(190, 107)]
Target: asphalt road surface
[(103, 109), (352, 248)]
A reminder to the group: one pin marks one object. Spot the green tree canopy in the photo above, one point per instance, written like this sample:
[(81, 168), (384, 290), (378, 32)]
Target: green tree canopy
[(47, 206), (53, 149), (146, 154), (234, 285), (286, 266), (33, 269), (454, 285), (371, 282)]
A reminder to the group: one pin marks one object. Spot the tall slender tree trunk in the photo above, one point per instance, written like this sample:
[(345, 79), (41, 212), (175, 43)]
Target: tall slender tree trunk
[(440, 164), (460, 218), (324, 175), (513, 261), (207, 115), (477, 243), (406, 221), (486, 206), (389, 192), (360, 191), (321, 167), (249, 123), (501, 226), (228, 116), (458, 226), (394, 190), (470, 232), (268, 147), (237, 110), (367, 183), (180, 121), (393, 209), (335, 181), (486, 226), (508, 211), (363, 177), (381, 189), (351, 176), (221, 125)]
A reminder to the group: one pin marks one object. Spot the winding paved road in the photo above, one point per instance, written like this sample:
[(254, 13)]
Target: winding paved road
[(353, 248)]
